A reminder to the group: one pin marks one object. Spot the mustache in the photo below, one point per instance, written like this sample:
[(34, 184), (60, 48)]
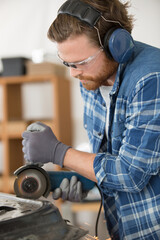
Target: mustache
[(85, 78)]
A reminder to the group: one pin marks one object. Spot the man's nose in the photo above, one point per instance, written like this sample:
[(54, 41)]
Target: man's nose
[(74, 72)]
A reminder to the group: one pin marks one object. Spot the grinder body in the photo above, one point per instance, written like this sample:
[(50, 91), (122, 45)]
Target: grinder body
[(32, 181)]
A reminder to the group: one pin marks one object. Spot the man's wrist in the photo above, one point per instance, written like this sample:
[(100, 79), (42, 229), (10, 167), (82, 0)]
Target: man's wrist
[(60, 152)]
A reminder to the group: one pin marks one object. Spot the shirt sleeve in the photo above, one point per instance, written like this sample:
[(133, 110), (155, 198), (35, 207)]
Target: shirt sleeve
[(139, 154)]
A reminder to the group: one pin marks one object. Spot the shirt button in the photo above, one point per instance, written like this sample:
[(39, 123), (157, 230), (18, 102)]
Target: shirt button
[(85, 125), (99, 134)]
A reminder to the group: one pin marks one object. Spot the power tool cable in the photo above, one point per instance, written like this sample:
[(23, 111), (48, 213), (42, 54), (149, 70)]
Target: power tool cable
[(99, 212)]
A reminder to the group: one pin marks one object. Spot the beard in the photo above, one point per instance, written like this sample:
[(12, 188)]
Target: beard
[(101, 78), (91, 83)]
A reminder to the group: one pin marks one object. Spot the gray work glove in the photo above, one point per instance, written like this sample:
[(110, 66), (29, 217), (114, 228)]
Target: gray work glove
[(40, 145), (70, 190)]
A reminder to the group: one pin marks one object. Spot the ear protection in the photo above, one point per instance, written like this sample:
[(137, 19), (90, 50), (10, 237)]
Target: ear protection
[(118, 44)]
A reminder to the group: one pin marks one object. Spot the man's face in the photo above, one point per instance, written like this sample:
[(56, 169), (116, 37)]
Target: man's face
[(95, 71)]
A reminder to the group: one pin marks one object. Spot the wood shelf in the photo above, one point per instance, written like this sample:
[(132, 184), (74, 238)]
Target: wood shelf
[(0, 130), (14, 129), (27, 79), (13, 124)]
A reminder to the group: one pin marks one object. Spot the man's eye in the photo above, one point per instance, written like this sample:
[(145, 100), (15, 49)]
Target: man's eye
[(73, 66)]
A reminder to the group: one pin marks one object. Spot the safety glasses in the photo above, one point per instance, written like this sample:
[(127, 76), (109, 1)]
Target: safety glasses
[(82, 65)]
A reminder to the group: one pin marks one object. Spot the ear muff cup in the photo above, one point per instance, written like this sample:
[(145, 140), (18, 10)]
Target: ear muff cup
[(118, 44)]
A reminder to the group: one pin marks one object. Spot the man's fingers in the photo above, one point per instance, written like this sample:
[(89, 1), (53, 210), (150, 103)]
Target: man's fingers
[(78, 193), (69, 190), (65, 187), (57, 193), (25, 134), (37, 126), (75, 192)]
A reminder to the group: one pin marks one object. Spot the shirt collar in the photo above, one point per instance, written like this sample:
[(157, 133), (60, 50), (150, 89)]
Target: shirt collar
[(117, 82)]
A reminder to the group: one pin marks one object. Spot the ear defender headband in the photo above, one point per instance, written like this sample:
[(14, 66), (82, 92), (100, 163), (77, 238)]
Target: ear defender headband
[(118, 44)]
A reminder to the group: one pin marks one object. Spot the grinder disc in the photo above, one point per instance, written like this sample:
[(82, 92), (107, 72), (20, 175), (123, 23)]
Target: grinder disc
[(30, 183)]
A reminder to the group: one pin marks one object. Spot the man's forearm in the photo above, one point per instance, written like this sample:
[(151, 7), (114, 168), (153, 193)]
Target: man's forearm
[(80, 162)]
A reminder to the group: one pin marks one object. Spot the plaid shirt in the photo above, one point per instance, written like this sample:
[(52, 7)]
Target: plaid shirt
[(127, 163)]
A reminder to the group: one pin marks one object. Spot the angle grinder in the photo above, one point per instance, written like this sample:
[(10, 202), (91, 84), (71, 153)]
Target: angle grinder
[(32, 181)]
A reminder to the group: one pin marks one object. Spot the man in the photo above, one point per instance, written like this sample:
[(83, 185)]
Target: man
[(93, 39)]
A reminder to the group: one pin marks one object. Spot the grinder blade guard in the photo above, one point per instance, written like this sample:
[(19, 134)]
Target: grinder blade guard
[(31, 182)]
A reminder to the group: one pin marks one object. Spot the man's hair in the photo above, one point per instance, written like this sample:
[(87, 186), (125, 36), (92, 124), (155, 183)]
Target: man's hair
[(65, 26)]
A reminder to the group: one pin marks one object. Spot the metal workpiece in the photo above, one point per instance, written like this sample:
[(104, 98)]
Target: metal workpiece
[(25, 219)]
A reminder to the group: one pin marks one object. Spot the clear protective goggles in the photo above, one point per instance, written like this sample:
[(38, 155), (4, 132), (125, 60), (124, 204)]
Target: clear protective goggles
[(82, 65)]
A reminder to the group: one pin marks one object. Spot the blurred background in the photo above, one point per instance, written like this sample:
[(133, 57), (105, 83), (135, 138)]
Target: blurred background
[(23, 33)]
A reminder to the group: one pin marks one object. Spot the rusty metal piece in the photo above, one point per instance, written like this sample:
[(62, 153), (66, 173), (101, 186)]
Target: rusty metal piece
[(25, 219)]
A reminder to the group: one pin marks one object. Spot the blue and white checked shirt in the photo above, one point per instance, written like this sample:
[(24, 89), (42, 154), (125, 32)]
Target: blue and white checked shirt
[(127, 163)]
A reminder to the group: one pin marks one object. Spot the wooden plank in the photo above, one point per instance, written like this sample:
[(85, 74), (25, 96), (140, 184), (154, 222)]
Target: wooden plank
[(15, 155), (1, 130), (27, 79), (14, 129), (14, 103), (1, 183)]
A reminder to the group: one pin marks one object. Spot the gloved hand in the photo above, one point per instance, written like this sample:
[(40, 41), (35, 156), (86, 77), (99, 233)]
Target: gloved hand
[(70, 190), (40, 145)]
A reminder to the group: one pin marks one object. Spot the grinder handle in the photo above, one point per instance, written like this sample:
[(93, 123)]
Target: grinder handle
[(56, 178)]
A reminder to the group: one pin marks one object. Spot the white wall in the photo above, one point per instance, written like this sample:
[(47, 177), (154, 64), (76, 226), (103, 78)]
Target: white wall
[(23, 28), (146, 26), (24, 24)]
